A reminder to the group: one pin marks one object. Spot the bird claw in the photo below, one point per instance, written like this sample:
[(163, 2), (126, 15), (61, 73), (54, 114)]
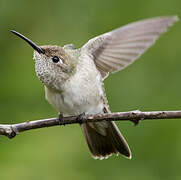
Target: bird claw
[(80, 118), (61, 119)]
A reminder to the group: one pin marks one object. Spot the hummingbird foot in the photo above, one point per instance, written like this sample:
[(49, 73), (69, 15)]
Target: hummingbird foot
[(80, 118), (61, 119)]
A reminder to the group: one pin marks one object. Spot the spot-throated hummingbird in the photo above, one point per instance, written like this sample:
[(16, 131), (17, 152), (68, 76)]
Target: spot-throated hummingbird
[(73, 78)]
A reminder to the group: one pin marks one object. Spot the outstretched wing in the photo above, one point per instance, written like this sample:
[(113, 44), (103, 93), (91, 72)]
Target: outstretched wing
[(117, 49)]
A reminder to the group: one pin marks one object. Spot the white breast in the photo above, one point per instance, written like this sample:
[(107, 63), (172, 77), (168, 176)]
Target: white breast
[(82, 92)]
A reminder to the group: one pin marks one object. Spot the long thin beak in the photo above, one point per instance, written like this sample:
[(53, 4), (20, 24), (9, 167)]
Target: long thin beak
[(31, 43)]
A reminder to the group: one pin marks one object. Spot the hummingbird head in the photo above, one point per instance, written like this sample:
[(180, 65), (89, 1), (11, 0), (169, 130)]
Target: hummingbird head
[(53, 64)]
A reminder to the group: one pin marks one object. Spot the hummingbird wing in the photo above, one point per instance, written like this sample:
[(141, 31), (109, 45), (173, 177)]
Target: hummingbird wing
[(115, 50)]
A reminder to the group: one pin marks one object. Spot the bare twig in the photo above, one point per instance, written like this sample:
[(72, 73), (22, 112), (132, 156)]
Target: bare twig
[(11, 130)]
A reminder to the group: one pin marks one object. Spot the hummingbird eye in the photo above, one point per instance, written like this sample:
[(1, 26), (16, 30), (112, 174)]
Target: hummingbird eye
[(56, 59)]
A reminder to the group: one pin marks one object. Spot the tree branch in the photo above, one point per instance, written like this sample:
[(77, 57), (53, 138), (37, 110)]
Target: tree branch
[(11, 130)]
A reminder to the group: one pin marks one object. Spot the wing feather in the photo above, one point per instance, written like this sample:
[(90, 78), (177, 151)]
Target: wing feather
[(117, 49)]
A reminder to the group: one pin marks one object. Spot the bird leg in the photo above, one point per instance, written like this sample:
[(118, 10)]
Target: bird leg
[(80, 118), (61, 119)]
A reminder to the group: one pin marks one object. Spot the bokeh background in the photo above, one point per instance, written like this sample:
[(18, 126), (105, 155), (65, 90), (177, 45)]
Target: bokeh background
[(151, 83)]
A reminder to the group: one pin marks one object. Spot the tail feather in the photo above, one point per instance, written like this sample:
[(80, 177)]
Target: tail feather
[(119, 141), (102, 146)]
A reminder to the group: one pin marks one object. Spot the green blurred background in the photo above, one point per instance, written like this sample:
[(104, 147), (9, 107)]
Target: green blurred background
[(151, 83)]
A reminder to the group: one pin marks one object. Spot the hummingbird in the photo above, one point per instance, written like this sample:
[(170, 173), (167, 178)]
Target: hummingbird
[(74, 77)]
